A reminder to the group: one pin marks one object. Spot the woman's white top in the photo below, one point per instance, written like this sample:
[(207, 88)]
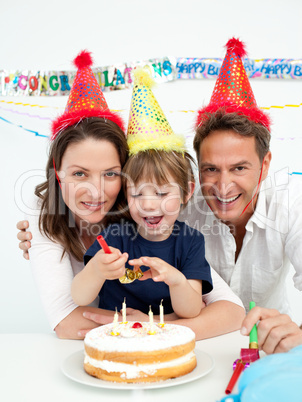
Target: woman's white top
[(53, 274)]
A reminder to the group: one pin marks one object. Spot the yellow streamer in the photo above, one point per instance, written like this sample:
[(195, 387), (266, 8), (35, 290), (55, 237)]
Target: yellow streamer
[(29, 104), (280, 107), (123, 110)]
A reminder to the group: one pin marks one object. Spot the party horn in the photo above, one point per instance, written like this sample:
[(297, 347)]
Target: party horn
[(247, 356), (252, 353), (240, 366)]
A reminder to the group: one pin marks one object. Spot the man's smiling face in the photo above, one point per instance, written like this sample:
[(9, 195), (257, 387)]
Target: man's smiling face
[(229, 173)]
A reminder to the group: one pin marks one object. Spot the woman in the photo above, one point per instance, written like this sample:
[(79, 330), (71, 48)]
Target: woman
[(80, 197), (74, 208)]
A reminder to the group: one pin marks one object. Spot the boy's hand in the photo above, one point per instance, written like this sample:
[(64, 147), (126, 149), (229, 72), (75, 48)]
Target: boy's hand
[(160, 271), (110, 266)]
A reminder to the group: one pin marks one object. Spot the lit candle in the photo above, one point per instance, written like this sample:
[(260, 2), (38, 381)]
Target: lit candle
[(124, 311), (150, 317), (115, 322), (161, 314), (151, 331)]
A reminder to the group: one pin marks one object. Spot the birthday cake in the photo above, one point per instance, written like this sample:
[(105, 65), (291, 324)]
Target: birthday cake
[(138, 352)]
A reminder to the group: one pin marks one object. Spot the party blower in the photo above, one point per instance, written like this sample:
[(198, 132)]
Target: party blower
[(247, 356), (130, 275)]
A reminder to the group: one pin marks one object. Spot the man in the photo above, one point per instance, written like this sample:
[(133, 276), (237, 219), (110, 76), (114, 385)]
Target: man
[(252, 227)]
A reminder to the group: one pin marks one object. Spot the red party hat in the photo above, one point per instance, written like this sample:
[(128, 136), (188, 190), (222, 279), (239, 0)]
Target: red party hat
[(86, 98), (232, 91)]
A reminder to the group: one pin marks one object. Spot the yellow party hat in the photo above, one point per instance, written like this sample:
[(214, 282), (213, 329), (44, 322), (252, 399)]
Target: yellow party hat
[(148, 127)]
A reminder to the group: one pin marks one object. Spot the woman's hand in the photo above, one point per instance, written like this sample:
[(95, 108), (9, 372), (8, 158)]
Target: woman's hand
[(24, 238), (136, 315), (76, 324), (277, 333), (107, 317)]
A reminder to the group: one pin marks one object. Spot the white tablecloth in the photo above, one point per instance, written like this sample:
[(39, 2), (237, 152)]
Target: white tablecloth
[(31, 372)]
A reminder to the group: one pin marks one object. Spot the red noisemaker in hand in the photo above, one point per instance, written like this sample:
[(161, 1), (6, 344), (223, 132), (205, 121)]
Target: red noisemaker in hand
[(103, 244)]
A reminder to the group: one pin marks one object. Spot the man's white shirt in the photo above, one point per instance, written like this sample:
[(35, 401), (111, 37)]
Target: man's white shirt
[(272, 242)]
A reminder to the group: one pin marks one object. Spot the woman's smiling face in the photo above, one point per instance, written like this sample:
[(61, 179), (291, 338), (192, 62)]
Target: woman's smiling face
[(90, 175)]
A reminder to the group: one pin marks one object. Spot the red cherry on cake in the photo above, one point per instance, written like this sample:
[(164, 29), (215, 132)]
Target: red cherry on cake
[(137, 325)]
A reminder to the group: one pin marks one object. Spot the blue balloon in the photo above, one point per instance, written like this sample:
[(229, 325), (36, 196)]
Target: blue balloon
[(274, 378)]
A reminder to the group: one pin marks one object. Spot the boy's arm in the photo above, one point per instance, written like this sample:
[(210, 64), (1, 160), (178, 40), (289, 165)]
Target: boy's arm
[(186, 295), (87, 284), (187, 300)]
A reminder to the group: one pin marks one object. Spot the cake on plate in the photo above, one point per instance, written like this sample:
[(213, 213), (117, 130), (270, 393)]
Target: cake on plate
[(139, 352)]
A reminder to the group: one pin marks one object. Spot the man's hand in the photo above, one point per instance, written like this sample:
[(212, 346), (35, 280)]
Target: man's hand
[(277, 333)]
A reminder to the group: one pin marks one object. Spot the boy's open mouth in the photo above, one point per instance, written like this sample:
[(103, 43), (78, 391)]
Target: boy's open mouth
[(153, 221)]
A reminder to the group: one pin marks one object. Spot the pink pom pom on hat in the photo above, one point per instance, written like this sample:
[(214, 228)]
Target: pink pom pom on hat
[(86, 98), (232, 92)]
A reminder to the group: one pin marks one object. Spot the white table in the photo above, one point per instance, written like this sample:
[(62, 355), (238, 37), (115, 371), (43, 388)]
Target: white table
[(31, 372)]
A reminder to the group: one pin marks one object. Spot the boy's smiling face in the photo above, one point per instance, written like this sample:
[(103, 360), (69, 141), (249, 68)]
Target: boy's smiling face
[(154, 207)]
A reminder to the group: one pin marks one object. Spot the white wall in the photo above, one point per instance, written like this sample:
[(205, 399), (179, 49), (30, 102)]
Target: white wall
[(48, 35)]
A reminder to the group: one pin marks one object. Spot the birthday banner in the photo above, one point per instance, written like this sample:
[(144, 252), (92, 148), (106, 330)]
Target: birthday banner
[(119, 76), (187, 68)]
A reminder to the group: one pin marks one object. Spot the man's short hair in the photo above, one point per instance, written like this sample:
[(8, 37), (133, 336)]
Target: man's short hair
[(220, 120)]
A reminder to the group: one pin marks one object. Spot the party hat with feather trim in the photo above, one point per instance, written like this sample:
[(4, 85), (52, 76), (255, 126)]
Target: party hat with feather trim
[(232, 92), (86, 98), (148, 127)]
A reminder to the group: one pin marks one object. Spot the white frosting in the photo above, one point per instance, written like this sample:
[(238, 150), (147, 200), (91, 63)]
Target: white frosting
[(134, 371), (137, 339)]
